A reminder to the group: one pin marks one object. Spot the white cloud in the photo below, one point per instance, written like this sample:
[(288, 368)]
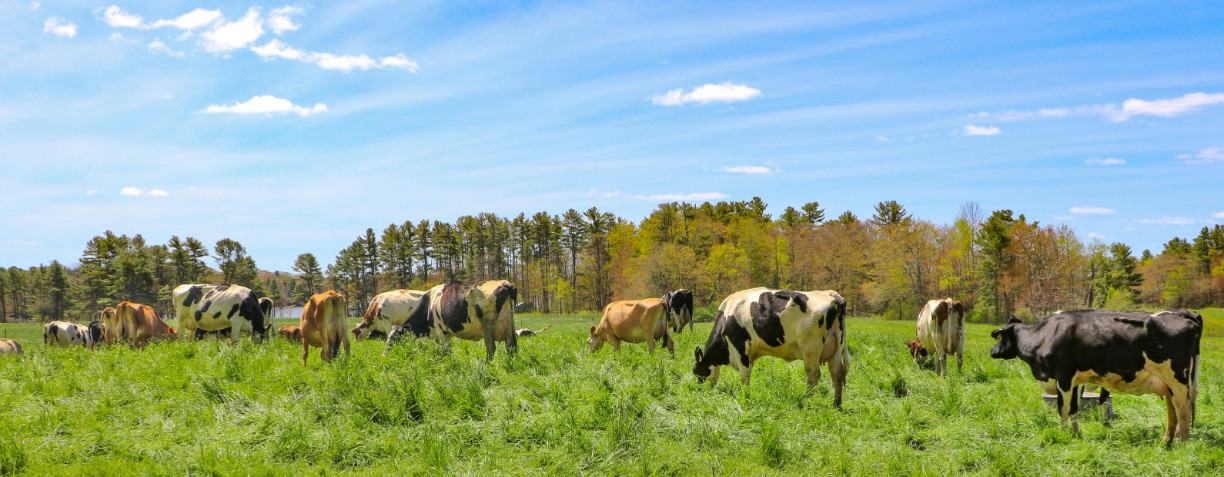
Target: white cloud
[(191, 20), (725, 93), (882, 139), (1218, 215), (751, 170), (279, 21), (1018, 115), (158, 193), (1170, 107), (1168, 221), (158, 46), (265, 104), (91, 192), (59, 27), (345, 63), (35, 5), (1085, 209), (1107, 161), (229, 36), (1205, 156), (1096, 236), (971, 130), (117, 18), (131, 191), (115, 37)]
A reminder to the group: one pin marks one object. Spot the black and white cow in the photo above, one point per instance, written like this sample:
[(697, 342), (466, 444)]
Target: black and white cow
[(66, 334), (680, 305), (217, 307), (386, 310), (1123, 352), (783, 323), (469, 311)]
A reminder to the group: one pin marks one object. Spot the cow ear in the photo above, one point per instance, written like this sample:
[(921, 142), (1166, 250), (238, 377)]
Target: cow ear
[(697, 353), (801, 301), (592, 330), (1013, 319)]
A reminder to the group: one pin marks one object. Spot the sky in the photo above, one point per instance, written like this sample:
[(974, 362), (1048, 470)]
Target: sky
[(293, 127)]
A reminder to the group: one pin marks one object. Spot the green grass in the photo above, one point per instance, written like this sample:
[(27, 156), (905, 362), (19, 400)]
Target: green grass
[(208, 408)]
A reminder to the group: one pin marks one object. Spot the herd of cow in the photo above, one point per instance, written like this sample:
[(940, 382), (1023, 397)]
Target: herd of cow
[(1126, 352)]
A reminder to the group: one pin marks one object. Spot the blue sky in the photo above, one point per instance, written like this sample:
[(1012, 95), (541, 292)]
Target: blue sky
[(293, 127)]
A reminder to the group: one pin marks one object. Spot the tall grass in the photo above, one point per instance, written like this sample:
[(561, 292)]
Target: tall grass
[(210, 408)]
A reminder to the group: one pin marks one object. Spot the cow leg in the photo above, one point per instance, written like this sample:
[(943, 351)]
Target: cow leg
[(1068, 405), (305, 350), (746, 374), (511, 338), (941, 362), (670, 343), (235, 332), (490, 343), (714, 375), (1171, 424), (960, 361)]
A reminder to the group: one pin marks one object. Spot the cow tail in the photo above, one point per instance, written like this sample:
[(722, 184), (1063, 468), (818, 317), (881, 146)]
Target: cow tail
[(1194, 387)]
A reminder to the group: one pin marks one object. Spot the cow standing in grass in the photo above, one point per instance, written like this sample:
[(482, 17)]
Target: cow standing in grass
[(135, 323), (941, 331), (680, 308), (1124, 352), (783, 323), (468, 311), (323, 325), (632, 321), (218, 307), (65, 334), (386, 310)]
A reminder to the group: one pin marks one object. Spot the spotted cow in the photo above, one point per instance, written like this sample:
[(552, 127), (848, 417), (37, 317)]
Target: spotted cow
[(782, 323), (941, 332), (680, 304), (1123, 352), (217, 307), (65, 334), (468, 311), (386, 310), (134, 323), (632, 321)]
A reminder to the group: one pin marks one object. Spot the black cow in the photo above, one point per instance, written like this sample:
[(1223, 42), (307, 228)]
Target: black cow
[(1123, 352), (680, 308)]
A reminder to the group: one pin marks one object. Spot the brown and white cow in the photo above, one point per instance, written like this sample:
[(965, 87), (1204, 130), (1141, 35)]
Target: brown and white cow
[(386, 310), (632, 321), (65, 334), (218, 307), (290, 332), (941, 332), (135, 323), (782, 323), (323, 325), (8, 346)]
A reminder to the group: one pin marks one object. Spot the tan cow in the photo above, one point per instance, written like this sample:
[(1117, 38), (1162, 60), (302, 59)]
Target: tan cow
[(632, 321), (323, 325), (941, 332), (135, 323), (290, 332), (8, 346)]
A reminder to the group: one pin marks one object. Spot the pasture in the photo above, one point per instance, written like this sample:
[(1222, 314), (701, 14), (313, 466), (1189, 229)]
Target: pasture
[(208, 408)]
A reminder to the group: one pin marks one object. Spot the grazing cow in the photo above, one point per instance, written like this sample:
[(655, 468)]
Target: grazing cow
[(469, 311), (1123, 352), (680, 305), (97, 331), (783, 323), (8, 346), (65, 334), (941, 331), (521, 332), (323, 324), (291, 333), (134, 323), (632, 321), (387, 309), (216, 307)]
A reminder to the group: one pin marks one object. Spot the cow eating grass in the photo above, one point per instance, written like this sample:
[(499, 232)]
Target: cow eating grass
[(632, 321)]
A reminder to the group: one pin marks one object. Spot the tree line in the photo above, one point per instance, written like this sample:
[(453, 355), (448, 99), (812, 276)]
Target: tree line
[(999, 264)]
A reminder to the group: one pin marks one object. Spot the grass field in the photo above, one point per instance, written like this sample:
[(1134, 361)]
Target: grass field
[(208, 408)]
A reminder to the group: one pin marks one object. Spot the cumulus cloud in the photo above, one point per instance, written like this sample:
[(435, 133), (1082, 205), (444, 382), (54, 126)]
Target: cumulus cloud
[(1087, 210), (118, 18), (131, 191), (191, 20), (971, 130), (59, 27), (265, 104), (229, 36), (750, 170), (280, 21), (328, 61), (1106, 161), (1205, 156), (158, 46), (1168, 221), (710, 93)]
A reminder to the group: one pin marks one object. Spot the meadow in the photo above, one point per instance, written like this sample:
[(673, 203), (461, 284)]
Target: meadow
[(206, 408)]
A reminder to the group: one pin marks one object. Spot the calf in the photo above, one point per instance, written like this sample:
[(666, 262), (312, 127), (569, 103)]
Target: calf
[(632, 321), (323, 325), (680, 307), (386, 310), (1123, 352), (782, 323), (8, 346), (521, 332), (65, 334), (941, 331), (135, 323), (291, 333)]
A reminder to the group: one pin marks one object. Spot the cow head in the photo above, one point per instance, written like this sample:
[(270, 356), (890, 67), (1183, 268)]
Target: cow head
[(916, 349), (958, 312), (700, 369), (1007, 346), (594, 341)]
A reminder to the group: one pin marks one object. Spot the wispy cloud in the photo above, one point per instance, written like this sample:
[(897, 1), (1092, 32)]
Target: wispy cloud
[(1104, 161), (1018, 115), (971, 130), (694, 197), (265, 104), (1205, 156), (1096, 236), (882, 139), (158, 46), (1130, 108), (91, 192), (1218, 215), (280, 21), (751, 170), (345, 63), (137, 192), (1090, 210), (1168, 221), (710, 93), (158, 193), (59, 27)]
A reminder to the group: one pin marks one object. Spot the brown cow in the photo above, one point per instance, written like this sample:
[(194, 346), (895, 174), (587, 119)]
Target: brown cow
[(134, 323), (632, 321), (8, 346), (290, 332), (323, 325)]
